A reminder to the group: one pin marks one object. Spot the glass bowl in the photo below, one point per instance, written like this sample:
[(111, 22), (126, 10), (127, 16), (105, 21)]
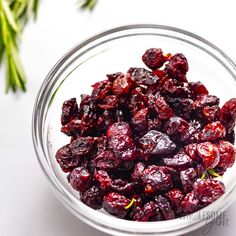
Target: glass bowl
[(112, 51)]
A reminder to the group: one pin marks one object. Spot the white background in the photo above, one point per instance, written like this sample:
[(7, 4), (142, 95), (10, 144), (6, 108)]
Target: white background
[(27, 205)]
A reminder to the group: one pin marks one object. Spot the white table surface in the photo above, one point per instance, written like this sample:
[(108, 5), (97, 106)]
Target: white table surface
[(27, 205)]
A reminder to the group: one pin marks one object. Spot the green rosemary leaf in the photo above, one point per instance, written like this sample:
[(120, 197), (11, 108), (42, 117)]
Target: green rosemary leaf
[(9, 16), (35, 8), (203, 175), (213, 173), (88, 4)]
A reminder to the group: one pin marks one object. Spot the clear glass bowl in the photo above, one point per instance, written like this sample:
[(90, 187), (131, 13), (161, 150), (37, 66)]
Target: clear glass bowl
[(112, 51)]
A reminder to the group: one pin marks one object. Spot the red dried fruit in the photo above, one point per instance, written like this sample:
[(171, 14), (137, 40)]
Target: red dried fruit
[(123, 186), (80, 179), (142, 76), (190, 203), (121, 85), (212, 132), (227, 154), (175, 197), (92, 197), (138, 170), (153, 58), (162, 109), (110, 102), (148, 212), (156, 178), (208, 190), (206, 100), (115, 203), (155, 142), (139, 122), (69, 111), (118, 129), (106, 160), (188, 177), (209, 154), (177, 67), (154, 124), (191, 151), (101, 89), (228, 114), (165, 207), (197, 89), (179, 160), (65, 159), (103, 179)]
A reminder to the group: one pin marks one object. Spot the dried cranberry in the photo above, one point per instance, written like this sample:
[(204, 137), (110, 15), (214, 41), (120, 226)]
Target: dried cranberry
[(137, 173), (119, 128), (110, 102), (179, 160), (112, 77), (213, 131), (177, 67), (197, 89), (65, 159), (106, 160), (80, 179), (92, 197), (206, 100), (188, 177), (209, 154), (142, 76), (149, 211), (121, 85), (165, 207), (227, 154), (101, 89), (154, 124), (190, 203), (175, 197), (162, 109), (69, 111), (228, 114), (156, 178), (103, 179), (155, 142), (115, 203), (207, 191), (153, 58), (123, 186), (139, 122)]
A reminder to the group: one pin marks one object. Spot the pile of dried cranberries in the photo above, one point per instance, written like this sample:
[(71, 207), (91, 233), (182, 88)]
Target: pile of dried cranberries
[(146, 145)]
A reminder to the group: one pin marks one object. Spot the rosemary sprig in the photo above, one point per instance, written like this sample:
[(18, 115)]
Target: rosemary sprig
[(88, 4), (14, 14)]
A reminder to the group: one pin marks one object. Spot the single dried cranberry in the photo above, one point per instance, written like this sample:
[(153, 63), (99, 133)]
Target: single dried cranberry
[(178, 129), (177, 67), (228, 114), (213, 131), (181, 106), (121, 85), (103, 179), (205, 100), (137, 173), (142, 76), (92, 197), (197, 89), (112, 77), (162, 109), (106, 160), (101, 89), (119, 128), (115, 203), (179, 160), (74, 128), (165, 207), (65, 159), (209, 114), (191, 151), (175, 197), (190, 203), (81, 146), (149, 211), (80, 179), (69, 111), (156, 178), (188, 177), (209, 154), (139, 122), (209, 190), (155, 142), (123, 186), (153, 58), (227, 154), (110, 102)]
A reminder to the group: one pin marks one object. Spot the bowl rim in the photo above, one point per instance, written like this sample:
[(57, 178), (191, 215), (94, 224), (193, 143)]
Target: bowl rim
[(65, 196)]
